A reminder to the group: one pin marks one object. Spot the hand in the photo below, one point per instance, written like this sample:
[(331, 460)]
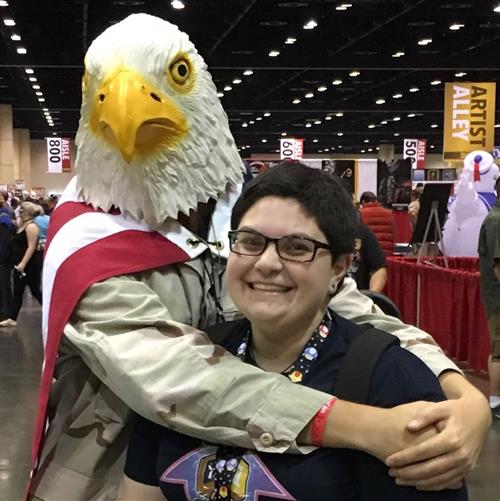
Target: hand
[(20, 270), (443, 461)]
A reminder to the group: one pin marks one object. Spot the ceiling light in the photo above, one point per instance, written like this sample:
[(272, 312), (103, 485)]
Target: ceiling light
[(45, 109), (497, 8), (371, 126), (397, 96), (396, 119), (414, 89), (354, 73), (396, 134), (274, 53), (340, 7), (251, 122), (383, 122), (29, 71), (296, 101), (21, 50), (339, 146), (32, 79), (177, 4), (339, 114), (380, 101), (425, 41), (309, 95), (398, 54), (39, 93), (15, 38), (432, 146), (8, 21), (436, 82), (290, 40), (456, 26), (258, 118), (340, 134), (267, 114), (4, 3), (41, 99), (308, 125), (497, 126), (337, 81), (36, 87), (248, 72), (327, 149), (346, 5), (317, 122), (244, 124), (315, 140), (227, 88), (328, 117), (434, 126), (366, 141), (310, 25), (322, 88), (220, 94), (236, 81), (460, 74), (363, 151), (411, 115), (370, 149), (263, 140), (283, 133)]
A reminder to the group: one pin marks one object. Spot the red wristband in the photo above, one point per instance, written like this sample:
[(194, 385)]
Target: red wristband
[(319, 423)]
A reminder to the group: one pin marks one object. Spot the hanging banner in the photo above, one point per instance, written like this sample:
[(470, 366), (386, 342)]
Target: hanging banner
[(415, 150), (58, 155), (291, 148), (469, 118)]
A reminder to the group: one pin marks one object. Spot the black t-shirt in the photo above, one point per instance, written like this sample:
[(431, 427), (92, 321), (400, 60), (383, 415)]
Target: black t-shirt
[(368, 257), (182, 465)]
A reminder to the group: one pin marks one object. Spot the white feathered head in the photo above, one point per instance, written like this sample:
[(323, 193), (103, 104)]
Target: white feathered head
[(153, 138)]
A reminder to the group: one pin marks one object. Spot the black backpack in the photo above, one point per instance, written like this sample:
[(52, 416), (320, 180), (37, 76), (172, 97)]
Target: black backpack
[(355, 374)]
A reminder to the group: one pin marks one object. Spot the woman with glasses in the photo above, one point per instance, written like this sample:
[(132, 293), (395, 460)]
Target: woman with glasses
[(292, 236), (27, 260)]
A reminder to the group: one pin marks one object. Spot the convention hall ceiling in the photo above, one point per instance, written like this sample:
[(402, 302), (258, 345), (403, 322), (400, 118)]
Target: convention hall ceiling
[(348, 76)]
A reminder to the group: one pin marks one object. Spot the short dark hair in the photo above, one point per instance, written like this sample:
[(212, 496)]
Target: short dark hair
[(321, 195), (368, 196)]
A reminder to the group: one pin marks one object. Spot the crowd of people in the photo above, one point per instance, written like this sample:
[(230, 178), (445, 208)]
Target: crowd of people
[(23, 231)]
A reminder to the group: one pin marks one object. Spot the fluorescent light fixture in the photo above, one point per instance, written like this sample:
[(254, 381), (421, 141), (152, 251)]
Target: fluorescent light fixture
[(432, 146), (177, 4), (396, 134), (263, 140), (317, 122), (267, 114), (497, 8), (9, 21), (227, 88), (309, 95), (399, 53), (383, 122), (283, 133), (244, 124), (29, 71), (290, 40), (339, 114), (296, 101), (340, 134), (251, 122), (396, 119), (274, 53), (371, 126), (315, 140), (337, 81), (45, 109), (236, 81), (328, 117), (4, 3), (366, 141), (434, 126), (41, 100), (397, 96), (380, 101), (310, 25), (340, 7), (436, 82), (220, 94), (248, 72), (456, 26), (411, 115), (15, 38), (414, 89), (321, 88), (32, 79), (308, 125), (258, 118), (425, 41), (460, 74), (370, 149), (21, 50), (354, 73), (36, 87), (39, 93), (363, 151)]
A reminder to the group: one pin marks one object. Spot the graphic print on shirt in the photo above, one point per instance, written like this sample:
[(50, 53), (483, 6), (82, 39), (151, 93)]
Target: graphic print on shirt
[(195, 471)]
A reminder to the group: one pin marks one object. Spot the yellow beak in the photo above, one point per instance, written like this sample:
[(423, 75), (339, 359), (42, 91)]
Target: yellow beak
[(135, 117)]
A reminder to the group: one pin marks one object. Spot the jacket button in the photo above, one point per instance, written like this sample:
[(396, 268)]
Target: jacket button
[(266, 439)]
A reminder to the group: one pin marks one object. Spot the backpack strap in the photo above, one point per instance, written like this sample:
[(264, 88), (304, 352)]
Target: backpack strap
[(355, 374)]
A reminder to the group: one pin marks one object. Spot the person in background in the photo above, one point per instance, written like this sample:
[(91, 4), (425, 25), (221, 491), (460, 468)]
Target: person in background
[(369, 266), (7, 231), (42, 221), (281, 273), (414, 207), (379, 219), (27, 260), (489, 267)]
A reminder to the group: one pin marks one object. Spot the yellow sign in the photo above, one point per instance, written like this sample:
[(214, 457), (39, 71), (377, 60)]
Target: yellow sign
[(469, 118)]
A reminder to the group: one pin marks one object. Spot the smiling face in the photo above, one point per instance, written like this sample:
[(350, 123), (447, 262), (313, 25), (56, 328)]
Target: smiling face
[(276, 294)]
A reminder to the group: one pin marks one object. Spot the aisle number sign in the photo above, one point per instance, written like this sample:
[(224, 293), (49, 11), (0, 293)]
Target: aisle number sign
[(58, 154), (469, 118), (415, 150), (291, 149)]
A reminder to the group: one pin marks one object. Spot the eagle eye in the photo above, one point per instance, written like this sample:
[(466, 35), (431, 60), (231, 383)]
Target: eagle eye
[(180, 71)]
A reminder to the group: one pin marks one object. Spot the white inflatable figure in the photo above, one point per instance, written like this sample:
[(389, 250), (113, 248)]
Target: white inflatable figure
[(474, 198)]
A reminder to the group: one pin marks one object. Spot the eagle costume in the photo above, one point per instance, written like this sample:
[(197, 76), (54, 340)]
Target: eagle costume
[(126, 286)]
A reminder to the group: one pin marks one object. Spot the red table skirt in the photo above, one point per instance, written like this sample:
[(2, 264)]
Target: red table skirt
[(451, 308)]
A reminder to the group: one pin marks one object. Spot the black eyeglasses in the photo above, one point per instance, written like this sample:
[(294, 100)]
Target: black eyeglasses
[(289, 247)]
